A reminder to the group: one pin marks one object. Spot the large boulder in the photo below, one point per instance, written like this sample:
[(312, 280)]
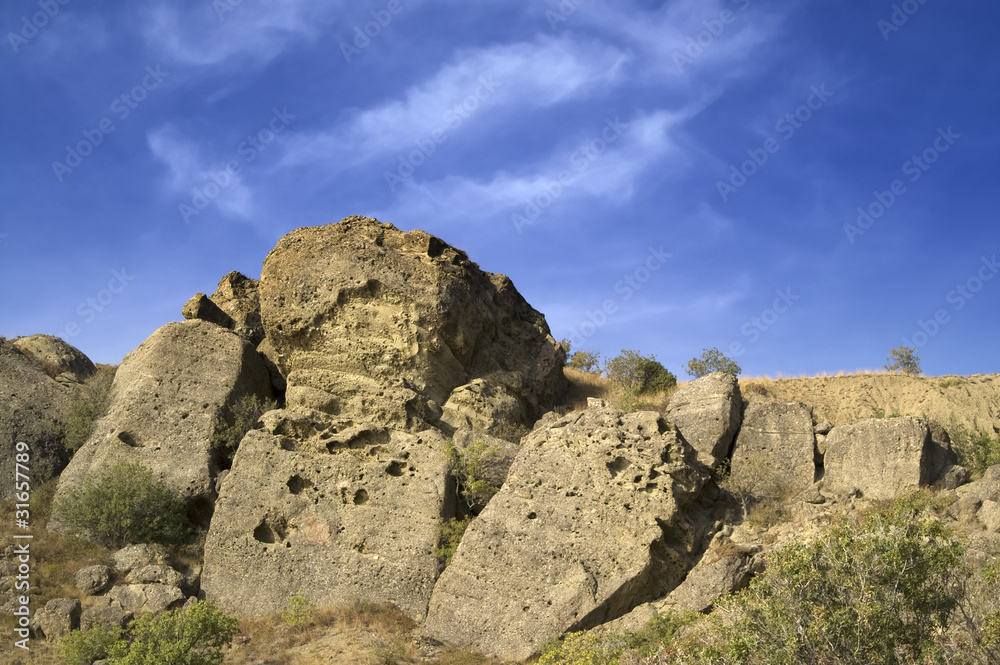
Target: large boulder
[(59, 617), (237, 295), (337, 512), (706, 412), (882, 457), (361, 303), (775, 449), (32, 404), (56, 356), (166, 399), (594, 519)]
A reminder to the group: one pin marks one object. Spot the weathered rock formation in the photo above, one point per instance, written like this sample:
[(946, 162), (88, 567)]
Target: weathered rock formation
[(56, 357), (777, 445), (33, 404), (166, 400), (706, 412), (596, 516), (337, 514), (363, 306), (882, 457)]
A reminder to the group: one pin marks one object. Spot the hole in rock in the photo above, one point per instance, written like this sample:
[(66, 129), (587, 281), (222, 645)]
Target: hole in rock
[(618, 465), (532, 515), (297, 483), (360, 497), (394, 469)]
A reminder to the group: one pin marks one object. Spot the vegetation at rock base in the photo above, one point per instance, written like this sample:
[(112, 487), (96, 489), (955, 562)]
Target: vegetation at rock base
[(886, 586), (240, 418), (449, 536), (976, 451), (195, 635), (712, 360), (89, 404), (479, 470), (904, 359), (124, 505), (300, 610)]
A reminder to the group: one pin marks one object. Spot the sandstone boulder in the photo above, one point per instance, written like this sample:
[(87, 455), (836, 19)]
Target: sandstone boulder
[(92, 580), (166, 399), (706, 413), (56, 356), (881, 457), (201, 307), (237, 295), (593, 520), (776, 447), (32, 404), (59, 617), (341, 512), (361, 302), (131, 557), (109, 615), (139, 598)]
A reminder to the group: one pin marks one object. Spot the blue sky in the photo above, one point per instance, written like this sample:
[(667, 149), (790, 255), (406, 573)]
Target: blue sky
[(803, 185)]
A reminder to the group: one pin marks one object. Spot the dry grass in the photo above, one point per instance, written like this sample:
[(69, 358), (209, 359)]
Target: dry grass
[(360, 633), (591, 384)]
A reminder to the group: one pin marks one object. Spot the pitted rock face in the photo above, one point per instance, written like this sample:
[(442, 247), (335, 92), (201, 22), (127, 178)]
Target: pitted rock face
[(363, 300), (166, 398), (56, 356), (596, 516)]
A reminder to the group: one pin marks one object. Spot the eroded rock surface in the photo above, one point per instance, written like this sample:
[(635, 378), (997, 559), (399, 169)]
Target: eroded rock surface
[(593, 520), (706, 412), (776, 445)]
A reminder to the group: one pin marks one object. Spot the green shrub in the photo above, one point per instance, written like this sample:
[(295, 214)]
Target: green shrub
[(480, 470), (300, 610), (645, 374), (192, 636), (87, 406), (83, 648), (585, 648), (712, 360), (123, 505), (976, 451), (904, 359), (864, 592), (449, 536), (239, 419), (585, 361)]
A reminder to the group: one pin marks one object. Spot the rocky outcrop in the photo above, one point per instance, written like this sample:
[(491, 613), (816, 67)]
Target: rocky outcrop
[(593, 520), (92, 580), (57, 618), (338, 513), (706, 413), (56, 357), (201, 307), (237, 296), (165, 401), (776, 445), (882, 457), (33, 405), (361, 303)]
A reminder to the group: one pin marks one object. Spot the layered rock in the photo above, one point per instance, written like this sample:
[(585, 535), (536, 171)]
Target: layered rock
[(363, 303), (706, 412), (33, 405), (882, 457), (593, 520), (237, 296), (165, 402), (337, 514), (776, 445)]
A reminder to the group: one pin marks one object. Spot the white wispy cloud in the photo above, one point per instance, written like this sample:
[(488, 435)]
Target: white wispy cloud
[(216, 33), (189, 171), (517, 77)]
